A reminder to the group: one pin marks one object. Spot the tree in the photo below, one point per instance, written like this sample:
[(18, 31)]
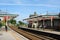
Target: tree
[(0, 24), (21, 23), (12, 21)]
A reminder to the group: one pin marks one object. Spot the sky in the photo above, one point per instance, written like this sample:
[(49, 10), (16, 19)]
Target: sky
[(26, 7)]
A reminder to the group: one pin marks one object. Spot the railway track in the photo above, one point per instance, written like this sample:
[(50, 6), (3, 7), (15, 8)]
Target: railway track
[(37, 34), (30, 35)]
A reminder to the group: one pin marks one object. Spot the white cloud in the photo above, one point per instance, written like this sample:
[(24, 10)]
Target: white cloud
[(54, 1), (19, 2), (45, 5), (10, 1)]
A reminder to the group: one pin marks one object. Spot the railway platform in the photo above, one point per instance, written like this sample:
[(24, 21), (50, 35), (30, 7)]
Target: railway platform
[(10, 35), (44, 30)]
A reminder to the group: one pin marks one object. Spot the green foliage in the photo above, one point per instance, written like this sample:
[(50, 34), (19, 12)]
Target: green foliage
[(21, 23), (12, 21), (3, 23), (0, 24), (17, 24)]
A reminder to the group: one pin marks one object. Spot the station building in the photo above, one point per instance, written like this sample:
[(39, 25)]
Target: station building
[(44, 21)]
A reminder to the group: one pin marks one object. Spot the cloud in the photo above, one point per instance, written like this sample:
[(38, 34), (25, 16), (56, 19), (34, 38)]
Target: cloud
[(44, 5), (10, 1), (17, 1), (21, 2), (54, 1)]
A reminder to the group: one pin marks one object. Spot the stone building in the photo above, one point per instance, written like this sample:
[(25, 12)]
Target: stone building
[(44, 21)]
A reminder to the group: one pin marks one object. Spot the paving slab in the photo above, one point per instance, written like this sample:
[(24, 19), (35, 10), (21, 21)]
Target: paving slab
[(11, 35), (45, 30), (6, 36)]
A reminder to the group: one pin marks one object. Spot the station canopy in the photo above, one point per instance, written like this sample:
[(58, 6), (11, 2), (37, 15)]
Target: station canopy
[(6, 15)]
